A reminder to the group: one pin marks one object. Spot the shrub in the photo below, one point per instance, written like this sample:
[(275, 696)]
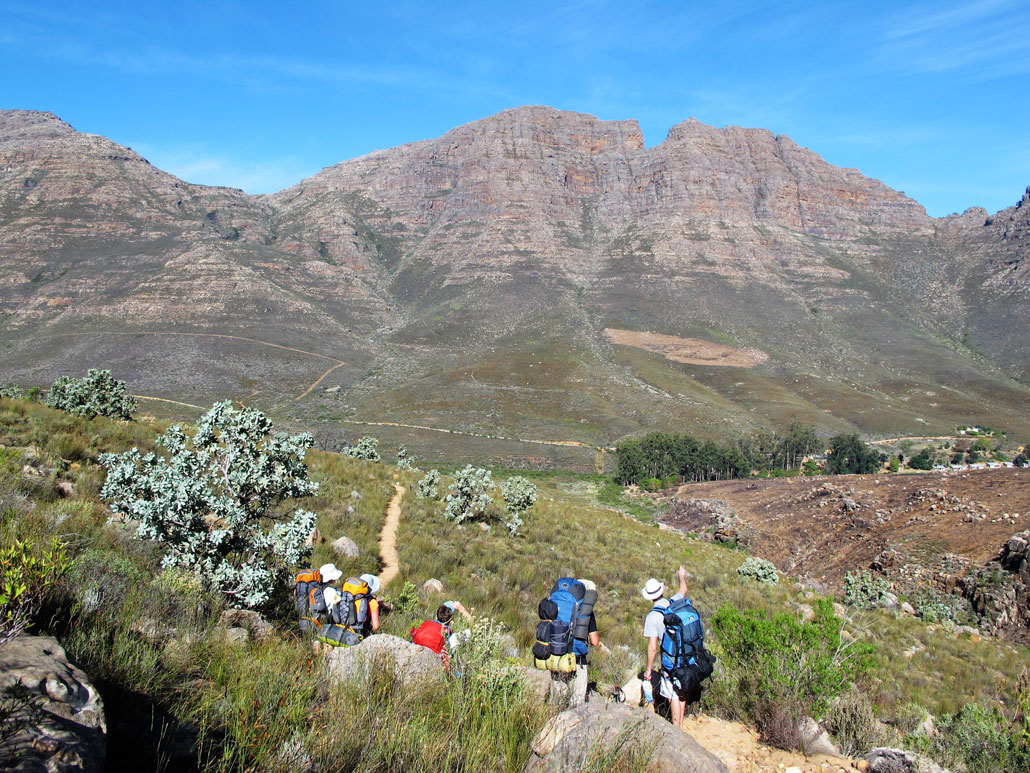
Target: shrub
[(519, 495), (851, 721), (864, 591), (428, 485), (759, 569), (403, 460), (27, 576), (13, 392), (978, 737), (366, 448), (97, 394), (469, 496), (220, 500), (781, 669)]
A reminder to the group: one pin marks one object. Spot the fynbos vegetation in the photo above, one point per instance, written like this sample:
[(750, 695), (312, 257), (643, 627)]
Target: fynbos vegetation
[(221, 500)]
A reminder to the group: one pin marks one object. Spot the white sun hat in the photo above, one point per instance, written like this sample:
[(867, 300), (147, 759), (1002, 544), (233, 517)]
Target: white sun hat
[(653, 589), (329, 573), (373, 582)]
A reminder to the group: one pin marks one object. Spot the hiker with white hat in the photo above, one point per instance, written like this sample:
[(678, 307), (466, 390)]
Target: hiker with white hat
[(654, 630), (371, 624)]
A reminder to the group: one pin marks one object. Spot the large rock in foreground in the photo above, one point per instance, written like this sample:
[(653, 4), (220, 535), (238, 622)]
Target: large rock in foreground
[(410, 662), (69, 731), (570, 739)]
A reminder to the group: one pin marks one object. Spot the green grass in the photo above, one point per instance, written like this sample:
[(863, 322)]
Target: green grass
[(252, 707)]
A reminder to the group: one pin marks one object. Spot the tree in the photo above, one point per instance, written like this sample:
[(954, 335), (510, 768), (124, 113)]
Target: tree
[(470, 494), (427, 486), (849, 455), (403, 460), (97, 394), (1022, 460), (519, 495), (366, 448), (923, 460), (221, 500)]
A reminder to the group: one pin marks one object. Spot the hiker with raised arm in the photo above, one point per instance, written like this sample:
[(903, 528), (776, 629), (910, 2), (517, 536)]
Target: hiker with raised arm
[(664, 652)]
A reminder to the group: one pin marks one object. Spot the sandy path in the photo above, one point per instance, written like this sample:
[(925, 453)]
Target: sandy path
[(738, 747), (388, 537)]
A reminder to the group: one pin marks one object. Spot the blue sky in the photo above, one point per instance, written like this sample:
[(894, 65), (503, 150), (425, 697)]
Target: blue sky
[(931, 97)]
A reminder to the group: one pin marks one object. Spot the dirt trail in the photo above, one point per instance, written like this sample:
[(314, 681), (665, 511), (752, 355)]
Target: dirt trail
[(388, 537), (738, 747), (573, 443), (303, 394), (166, 400)]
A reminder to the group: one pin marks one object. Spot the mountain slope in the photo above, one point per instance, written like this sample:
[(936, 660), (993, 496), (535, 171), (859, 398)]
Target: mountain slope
[(479, 281)]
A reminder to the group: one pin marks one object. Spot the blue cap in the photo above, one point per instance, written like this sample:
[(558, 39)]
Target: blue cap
[(450, 606)]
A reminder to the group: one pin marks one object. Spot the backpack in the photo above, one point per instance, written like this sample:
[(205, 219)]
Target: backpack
[(337, 636), (308, 598), (352, 611), (684, 657), (561, 634), (432, 634)]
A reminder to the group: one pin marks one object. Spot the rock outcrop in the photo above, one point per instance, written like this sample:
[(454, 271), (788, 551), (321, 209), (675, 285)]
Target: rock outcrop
[(1000, 591), (59, 717), (884, 760), (570, 739), (410, 662)]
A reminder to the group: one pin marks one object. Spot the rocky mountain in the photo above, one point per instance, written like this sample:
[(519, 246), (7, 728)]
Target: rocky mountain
[(536, 273)]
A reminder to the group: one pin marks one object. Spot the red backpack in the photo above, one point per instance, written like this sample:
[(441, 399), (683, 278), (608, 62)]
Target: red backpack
[(432, 634)]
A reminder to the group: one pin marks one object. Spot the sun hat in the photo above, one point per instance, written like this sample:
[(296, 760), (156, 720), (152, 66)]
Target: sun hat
[(332, 596), (653, 589), (373, 582), (329, 573), (588, 584)]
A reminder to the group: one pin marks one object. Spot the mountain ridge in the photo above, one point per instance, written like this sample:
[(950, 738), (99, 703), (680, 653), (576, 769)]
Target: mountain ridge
[(513, 241)]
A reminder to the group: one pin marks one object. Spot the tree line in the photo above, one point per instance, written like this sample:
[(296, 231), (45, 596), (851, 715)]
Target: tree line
[(668, 458)]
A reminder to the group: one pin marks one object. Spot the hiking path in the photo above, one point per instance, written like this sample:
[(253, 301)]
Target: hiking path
[(388, 537)]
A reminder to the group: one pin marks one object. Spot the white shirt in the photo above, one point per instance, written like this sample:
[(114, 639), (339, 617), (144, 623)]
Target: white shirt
[(654, 623)]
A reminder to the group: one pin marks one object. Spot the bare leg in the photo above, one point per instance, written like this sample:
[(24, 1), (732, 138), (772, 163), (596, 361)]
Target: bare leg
[(678, 709)]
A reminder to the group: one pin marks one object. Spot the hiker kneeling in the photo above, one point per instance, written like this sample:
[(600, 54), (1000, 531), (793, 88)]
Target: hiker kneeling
[(436, 634), (352, 611)]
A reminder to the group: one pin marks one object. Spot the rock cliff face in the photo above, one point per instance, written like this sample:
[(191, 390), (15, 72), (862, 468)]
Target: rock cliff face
[(439, 272)]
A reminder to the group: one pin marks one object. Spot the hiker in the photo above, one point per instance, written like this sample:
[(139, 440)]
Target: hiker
[(436, 635), (352, 611), (309, 595), (654, 631), (566, 630)]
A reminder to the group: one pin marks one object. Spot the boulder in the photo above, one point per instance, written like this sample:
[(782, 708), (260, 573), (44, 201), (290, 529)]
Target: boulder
[(432, 585), (68, 731), (884, 760), (250, 621), (569, 739), (815, 740), (538, 682), (410, 662), (346, 548), (65, 488), (907, 608)]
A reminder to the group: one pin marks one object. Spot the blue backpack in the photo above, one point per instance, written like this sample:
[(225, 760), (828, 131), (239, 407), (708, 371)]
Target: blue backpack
[(684, 657), (568, 594)]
